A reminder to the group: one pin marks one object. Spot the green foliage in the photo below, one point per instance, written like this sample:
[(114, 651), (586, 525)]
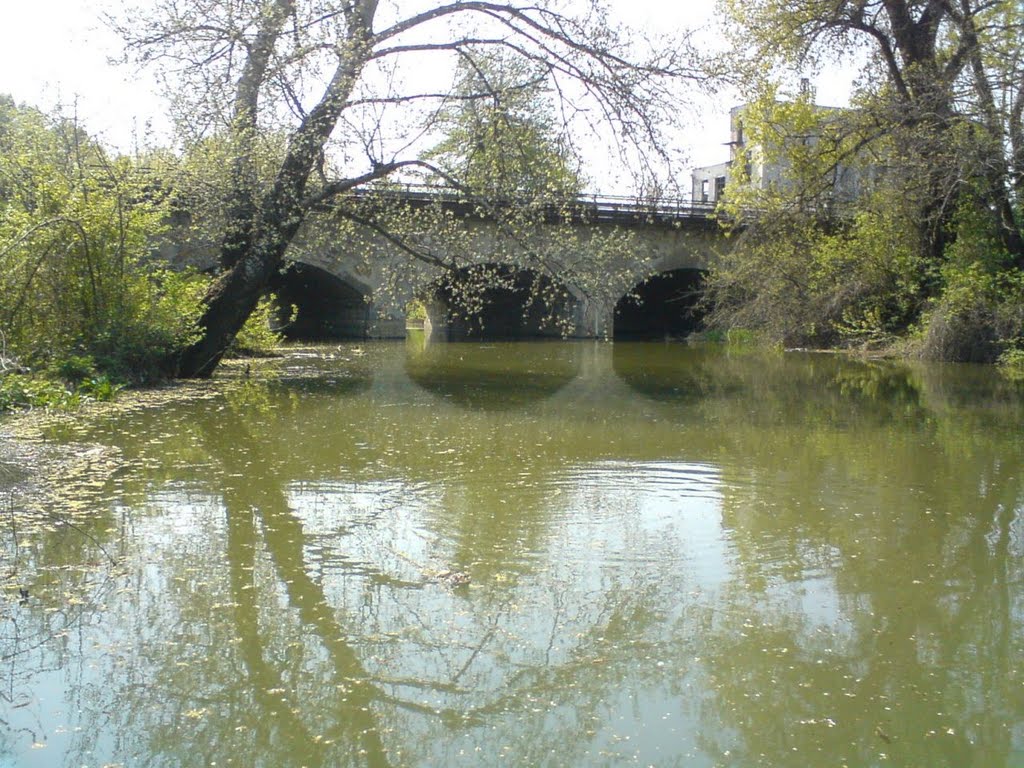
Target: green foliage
[(500, 138), (825, 251), (979, 316), (1011, 363), (100, 388), (201, 182), (18, 391), (900, 216), (26, 391), (76, 230), (258, 336), (75, 369), (741, 337), (803, 281), (416, 310)]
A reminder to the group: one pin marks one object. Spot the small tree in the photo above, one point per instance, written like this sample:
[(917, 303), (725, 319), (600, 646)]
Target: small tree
[(500, 139), (75, 228)]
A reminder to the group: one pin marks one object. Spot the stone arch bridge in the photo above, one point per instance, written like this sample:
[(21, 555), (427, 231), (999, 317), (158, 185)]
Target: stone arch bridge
[(350, 282)]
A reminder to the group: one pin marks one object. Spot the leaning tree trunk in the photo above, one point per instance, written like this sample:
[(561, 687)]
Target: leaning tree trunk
[(230, 302), (233, 297), (236, 293)]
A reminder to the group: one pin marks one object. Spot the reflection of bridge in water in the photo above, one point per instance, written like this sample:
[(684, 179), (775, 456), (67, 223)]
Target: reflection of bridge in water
[(521, 375), (354, 282)]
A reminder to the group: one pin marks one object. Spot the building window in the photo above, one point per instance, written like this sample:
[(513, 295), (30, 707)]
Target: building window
[(719, 187), (703, 190)]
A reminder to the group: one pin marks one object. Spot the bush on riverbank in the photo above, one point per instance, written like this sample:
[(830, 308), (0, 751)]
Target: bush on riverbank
[(1011, 363), (76, 230), (82, 303), (847, 291), (797, 280), (38, 391), (864, 281), (259, 337)]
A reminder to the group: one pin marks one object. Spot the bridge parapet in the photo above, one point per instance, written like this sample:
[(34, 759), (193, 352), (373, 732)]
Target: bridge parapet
[(618, 210)]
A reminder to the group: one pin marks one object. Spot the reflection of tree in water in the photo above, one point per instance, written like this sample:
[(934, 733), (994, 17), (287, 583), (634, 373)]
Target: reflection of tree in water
[(882, 656), (755, 388), (435, 675), (247, 650), (883, 620), (59, 560)]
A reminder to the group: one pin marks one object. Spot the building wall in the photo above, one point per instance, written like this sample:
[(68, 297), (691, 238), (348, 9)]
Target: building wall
[(708, 183)]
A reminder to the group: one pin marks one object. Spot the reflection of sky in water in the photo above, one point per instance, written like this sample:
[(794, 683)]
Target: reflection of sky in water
[(617, 513), (608, 518), (630, 548), (371, 527), (624, 537), (644, 514), (601, 636), (625, 608), (646, 524), (114, 615)]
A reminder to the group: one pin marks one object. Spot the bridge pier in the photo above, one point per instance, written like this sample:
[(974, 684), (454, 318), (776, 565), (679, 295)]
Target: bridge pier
[(594, 320)]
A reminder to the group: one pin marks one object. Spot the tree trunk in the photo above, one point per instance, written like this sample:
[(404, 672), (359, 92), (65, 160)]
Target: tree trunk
[(229, 303), (235, 294), (257, 257)]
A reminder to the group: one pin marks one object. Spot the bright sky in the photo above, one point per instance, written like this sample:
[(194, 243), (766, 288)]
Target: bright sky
[(57, 52)]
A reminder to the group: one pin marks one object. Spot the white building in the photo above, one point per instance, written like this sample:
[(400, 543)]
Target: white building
[(709, 183)]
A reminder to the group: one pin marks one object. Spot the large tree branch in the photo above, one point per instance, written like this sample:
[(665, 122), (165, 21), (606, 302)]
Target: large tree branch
[(380, 171), (254, 71), (241, 201), (887, 52)]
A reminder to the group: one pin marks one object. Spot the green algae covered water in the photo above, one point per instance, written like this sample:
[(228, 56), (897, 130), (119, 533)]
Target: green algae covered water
[(524, 554)]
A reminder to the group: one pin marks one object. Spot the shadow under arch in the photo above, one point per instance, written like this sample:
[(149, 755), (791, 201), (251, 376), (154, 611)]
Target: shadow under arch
[(492, 377), (327, 306), (664, 306), (487, 302)]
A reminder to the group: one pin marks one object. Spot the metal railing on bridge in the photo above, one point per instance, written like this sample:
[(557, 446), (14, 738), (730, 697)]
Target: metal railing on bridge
[(586, 209)]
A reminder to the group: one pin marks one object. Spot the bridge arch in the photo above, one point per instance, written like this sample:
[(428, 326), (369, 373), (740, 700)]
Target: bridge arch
[(499, 302), (661, 306), (325, 304)]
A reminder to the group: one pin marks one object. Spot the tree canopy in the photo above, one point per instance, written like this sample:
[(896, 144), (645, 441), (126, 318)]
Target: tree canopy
[(500, 136), (933, 239)]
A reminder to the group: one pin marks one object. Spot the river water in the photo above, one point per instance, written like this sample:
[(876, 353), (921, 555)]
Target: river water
[(526, 554)]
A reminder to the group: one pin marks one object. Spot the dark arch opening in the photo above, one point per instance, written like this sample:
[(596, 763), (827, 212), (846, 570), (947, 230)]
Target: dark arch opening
[(326, 306), (497, 302), (663, 306)]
